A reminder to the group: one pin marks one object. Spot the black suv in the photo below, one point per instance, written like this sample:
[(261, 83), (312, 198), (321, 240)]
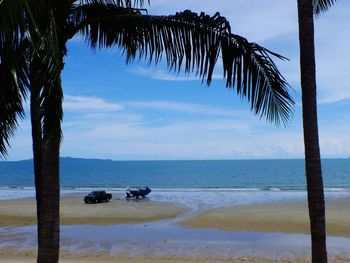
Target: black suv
[(97, 197)]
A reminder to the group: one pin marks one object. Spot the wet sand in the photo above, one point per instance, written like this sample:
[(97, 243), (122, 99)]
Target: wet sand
[(279, 217), (22, 212), (168, 236), (97, 258)]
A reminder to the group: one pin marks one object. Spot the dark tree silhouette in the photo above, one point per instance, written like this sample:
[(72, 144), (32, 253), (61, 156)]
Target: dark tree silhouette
[(316, 202), (188, 41)]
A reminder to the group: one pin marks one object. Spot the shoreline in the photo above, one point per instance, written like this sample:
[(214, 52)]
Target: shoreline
[(169, 231), (22, 212), (271, 216)]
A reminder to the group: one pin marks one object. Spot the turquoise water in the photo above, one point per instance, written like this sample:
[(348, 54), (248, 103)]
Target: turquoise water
[(228, 174), (198, 185)]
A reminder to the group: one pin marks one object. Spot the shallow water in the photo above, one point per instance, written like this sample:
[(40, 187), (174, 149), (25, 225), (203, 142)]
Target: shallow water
[(164, 238)]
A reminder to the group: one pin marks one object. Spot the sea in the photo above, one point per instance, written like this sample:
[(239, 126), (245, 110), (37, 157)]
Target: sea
[(193, 183)]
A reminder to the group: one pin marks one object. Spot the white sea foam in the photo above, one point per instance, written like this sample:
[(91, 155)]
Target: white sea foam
[(16, 193), (196, 199), (214, 199)]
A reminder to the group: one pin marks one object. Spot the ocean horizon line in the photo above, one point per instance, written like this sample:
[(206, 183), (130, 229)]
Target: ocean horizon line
[(175, 160)]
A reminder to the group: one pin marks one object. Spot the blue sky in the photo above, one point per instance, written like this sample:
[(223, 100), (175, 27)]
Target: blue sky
[(132, 112)]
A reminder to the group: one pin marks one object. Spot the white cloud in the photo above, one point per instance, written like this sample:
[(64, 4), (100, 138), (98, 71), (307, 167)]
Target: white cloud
[(132, 136), (89, 104), (189, 138), (216, 138), (191, 108), (256, 20), (94, 107), (332, 54), (161, 74)]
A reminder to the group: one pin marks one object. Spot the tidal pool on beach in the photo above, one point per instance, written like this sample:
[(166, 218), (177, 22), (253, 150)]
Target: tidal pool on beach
[(167, 238)]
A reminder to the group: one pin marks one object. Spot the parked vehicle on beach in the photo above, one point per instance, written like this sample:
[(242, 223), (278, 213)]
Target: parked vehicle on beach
[(137, 192), (97, 197)]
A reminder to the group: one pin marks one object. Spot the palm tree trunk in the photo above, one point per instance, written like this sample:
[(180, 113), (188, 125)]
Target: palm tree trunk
[(46, 174), (314, 179), (49, 233), (37, 138)]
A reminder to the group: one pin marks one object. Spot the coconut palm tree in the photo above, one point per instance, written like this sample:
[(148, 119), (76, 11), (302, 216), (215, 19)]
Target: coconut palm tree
[(186, 40), (28, 60), (306, 11)]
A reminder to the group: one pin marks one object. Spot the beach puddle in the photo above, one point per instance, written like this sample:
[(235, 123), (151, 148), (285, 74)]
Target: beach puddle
[(168, 239)]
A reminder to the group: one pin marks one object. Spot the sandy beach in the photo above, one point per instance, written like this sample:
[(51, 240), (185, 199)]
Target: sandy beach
[(282, 217), (167, 232), (21, 212), (291, 217), (164, 259)]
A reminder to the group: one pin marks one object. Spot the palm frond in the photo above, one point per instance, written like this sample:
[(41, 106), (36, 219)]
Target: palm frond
[(52, 112), (193, 42), (10, 109), (121, 3), (45, 82), (321, 6), (17, 15), (11, 18), (30, 59), (46, 66), (13, 80), (250, 68)]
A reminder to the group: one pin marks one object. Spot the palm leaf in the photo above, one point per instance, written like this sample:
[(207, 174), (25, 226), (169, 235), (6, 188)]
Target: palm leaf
[(321, 6), (13, 79), (46, 66), (193, 42), (121, 3), (16, 15), (10, 109), (27, 34), (52, 112)]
